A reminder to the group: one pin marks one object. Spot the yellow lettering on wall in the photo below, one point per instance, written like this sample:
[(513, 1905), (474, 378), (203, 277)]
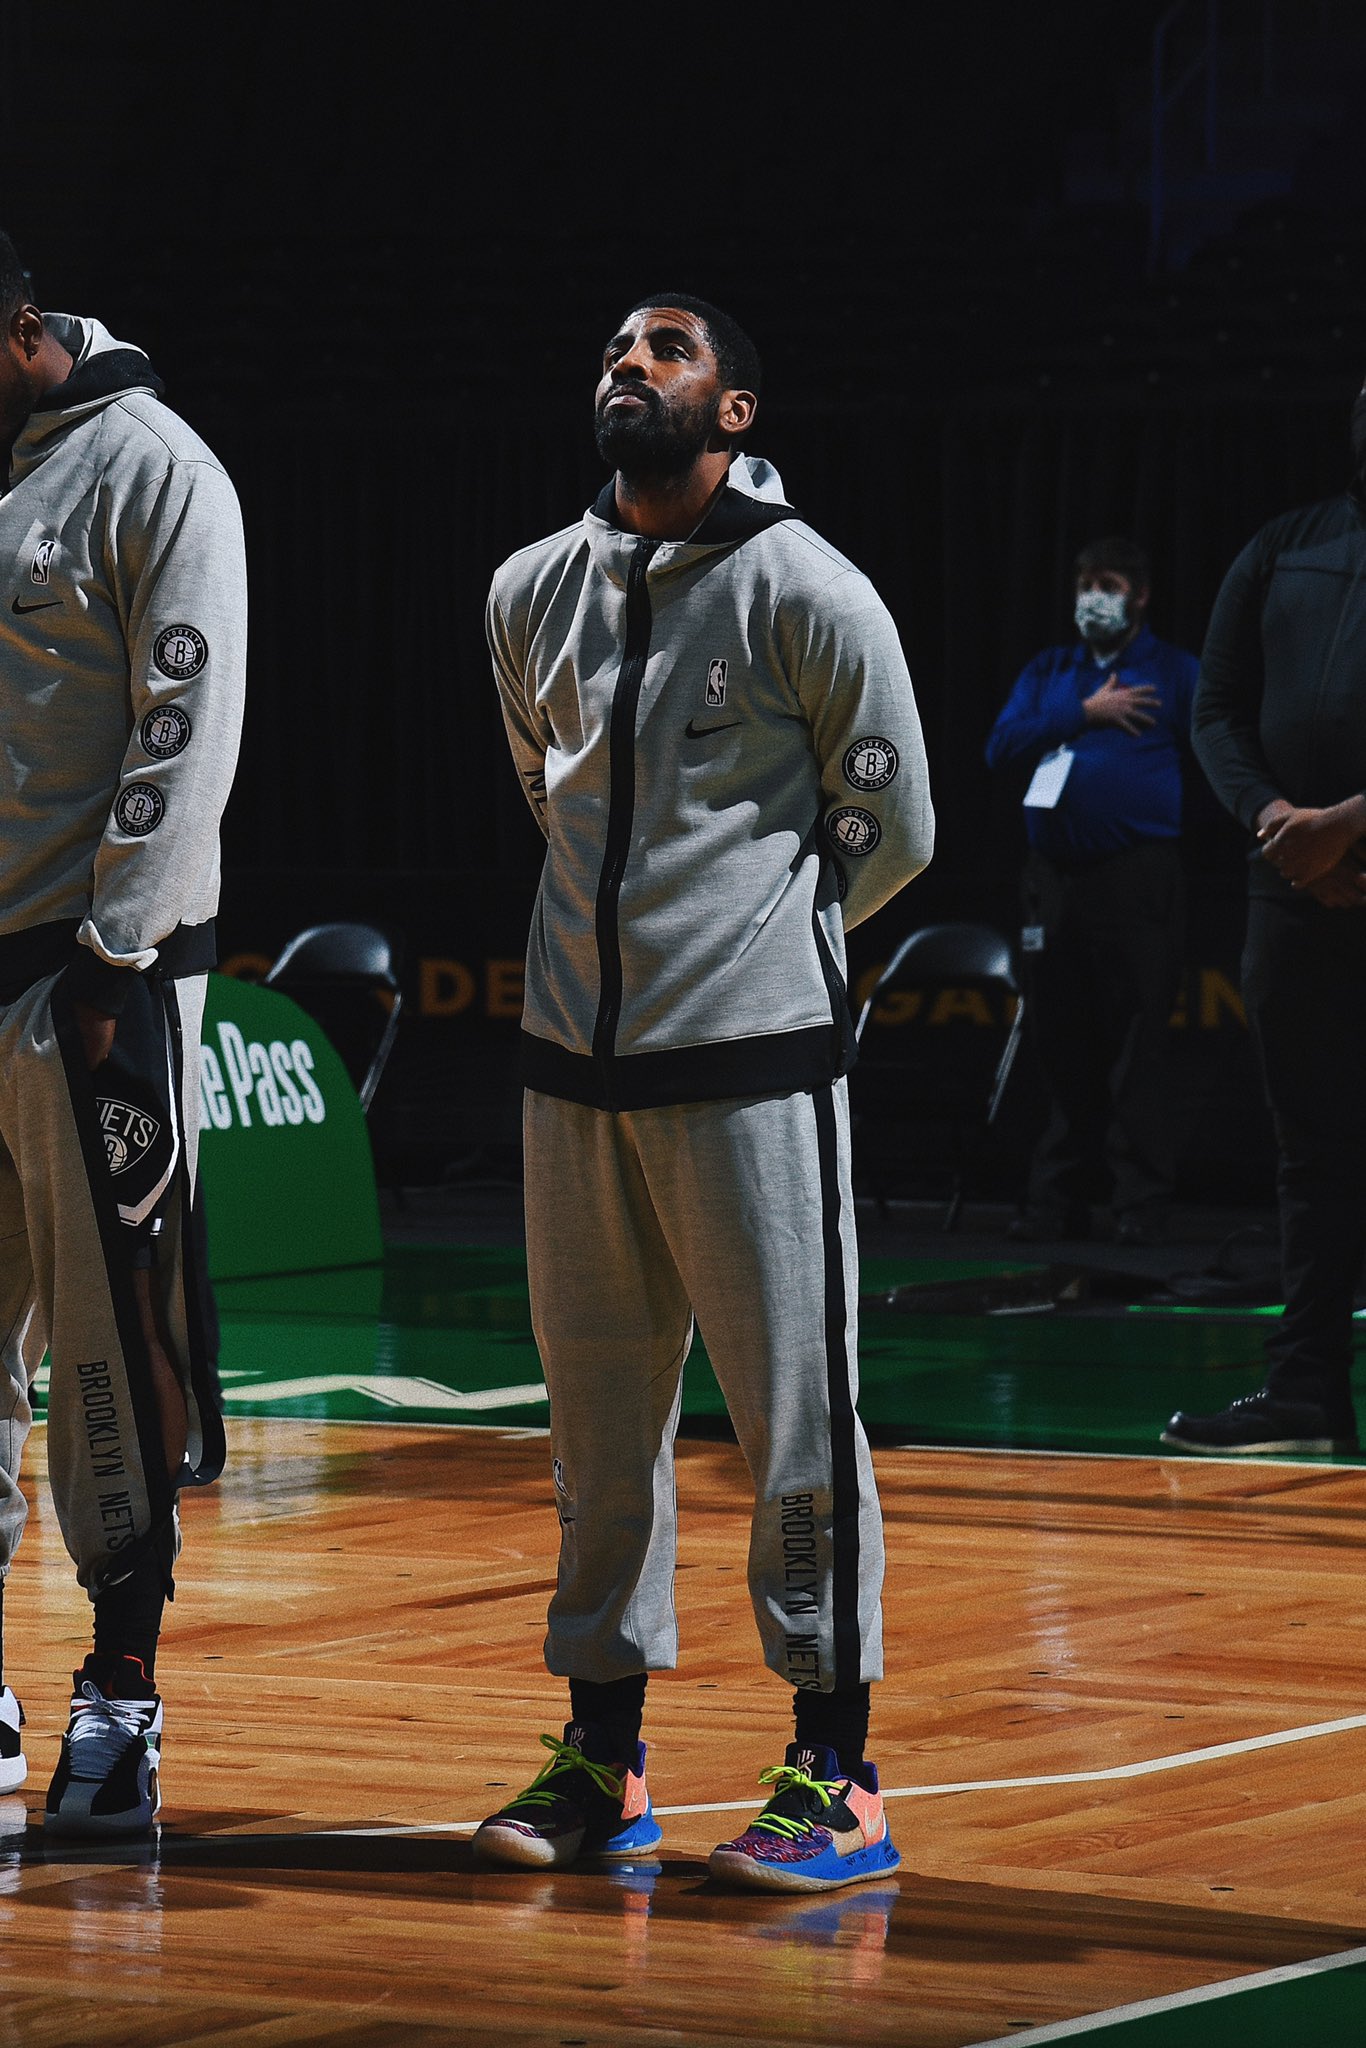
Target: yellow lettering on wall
[(863, 988), (902, 1006), (504, 985), (961, 1002), (445, 988), (1219, 997)]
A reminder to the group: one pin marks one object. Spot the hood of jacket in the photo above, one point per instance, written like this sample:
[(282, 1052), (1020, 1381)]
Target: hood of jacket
[(751, 501), (103, 370)]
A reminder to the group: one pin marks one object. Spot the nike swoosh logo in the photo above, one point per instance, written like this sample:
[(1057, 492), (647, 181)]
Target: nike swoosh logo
[(45, 606), (702, 732)]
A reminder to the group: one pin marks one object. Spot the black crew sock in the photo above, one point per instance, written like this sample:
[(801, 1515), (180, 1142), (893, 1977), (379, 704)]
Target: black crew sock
[(617, 1707), (128, 1617), (838, 1720)]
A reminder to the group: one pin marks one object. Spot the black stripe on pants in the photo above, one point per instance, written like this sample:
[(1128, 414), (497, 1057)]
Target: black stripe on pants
[(200, 1312), (116, 1244), (844, 1486)]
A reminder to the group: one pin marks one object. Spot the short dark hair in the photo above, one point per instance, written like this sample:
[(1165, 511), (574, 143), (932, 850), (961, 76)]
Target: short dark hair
[(737, 359), (16, 286), (1118, 556)]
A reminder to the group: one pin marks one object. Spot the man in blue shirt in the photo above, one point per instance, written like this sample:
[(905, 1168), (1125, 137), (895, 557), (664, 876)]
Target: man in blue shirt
[(1102, 727)]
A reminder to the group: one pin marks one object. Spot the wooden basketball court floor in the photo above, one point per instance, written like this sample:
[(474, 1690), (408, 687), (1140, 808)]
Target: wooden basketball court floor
[(1124, 1738)]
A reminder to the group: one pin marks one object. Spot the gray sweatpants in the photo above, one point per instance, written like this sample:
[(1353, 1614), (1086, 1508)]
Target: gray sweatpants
[(742, 1214), (69, 1220)]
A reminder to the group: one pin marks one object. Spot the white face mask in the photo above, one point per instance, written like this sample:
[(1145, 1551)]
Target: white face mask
[(1102, 615)]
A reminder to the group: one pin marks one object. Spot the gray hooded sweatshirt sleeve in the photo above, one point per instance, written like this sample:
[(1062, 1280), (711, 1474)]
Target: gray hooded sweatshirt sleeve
[(720, 741), (122, 667)]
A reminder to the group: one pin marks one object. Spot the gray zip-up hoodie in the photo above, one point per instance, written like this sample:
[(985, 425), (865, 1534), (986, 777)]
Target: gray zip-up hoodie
[(122, 664), (720, 741)]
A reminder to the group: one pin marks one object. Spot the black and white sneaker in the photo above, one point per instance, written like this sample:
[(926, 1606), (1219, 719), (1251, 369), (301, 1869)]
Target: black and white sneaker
[(13, 1762), (1261, 1423), (107, 1780)]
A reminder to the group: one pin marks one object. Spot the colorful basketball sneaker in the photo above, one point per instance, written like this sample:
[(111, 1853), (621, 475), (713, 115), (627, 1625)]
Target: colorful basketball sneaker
[(107, 1780), (13, 1763), (821, 1828), (586, 1802)]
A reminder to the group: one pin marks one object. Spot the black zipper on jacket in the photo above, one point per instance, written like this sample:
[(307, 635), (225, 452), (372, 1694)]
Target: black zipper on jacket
[(621, 806)]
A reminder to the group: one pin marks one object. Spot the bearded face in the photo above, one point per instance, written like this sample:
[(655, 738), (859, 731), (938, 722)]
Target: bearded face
[(650, 437)]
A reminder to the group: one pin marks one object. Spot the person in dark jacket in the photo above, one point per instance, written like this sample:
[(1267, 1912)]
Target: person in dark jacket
[(1280, 730), (1103, 726)]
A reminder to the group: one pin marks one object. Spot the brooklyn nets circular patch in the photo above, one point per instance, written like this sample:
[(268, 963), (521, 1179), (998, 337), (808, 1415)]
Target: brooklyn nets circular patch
[(180, 652), (870, 764), (853, 831), (139, 810), (165, 733)]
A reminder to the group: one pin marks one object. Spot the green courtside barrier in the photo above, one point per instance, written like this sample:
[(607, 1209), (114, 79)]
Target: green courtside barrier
[(289, 1181)]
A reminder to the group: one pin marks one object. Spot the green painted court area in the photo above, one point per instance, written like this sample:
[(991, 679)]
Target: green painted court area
[(442, 1334), (1318, 2005), (439, 1333)]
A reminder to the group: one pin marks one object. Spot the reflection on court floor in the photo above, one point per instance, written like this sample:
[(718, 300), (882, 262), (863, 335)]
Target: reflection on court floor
[(1124, 1732), (442, 1333), (1098, 1667)]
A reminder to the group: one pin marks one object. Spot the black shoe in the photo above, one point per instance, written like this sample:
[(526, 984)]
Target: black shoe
[(1047, 1226), (1261, 1423), (586, 1802), (107, 1780)]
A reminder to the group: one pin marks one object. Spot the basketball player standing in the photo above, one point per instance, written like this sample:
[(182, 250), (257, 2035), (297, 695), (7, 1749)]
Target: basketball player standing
[(712, 719), (122, 654)]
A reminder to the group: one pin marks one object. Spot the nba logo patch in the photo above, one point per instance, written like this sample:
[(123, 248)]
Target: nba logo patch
[(716, 682), (41, 571)]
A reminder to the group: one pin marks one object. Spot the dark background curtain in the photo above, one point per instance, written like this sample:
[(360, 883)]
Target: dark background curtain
[(376, 262), (375, 777), (373, 738)]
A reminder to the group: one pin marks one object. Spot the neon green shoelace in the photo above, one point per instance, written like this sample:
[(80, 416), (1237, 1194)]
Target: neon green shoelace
[(564, 1757), (787, 1778)]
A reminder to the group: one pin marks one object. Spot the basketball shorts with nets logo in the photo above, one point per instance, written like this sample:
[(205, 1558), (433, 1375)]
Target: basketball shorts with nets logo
[(97, 1179)]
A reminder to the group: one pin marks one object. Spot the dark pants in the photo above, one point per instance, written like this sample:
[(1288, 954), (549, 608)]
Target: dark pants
[(1099, 990), (1304, 984)]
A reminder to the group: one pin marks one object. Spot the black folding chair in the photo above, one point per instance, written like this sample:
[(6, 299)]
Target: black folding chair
[(938, 956), (345, 976)]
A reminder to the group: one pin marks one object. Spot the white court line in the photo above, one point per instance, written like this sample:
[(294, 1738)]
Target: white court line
[(1114, 1773), (1165, 1456), (1149, 2008), (417, 1420)]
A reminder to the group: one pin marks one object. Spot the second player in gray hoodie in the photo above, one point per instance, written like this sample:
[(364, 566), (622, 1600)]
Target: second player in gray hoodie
[(122, 658)]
